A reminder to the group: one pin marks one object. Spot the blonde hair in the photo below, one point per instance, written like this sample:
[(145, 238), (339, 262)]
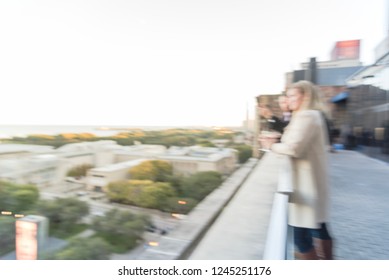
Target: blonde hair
[(312, 98)]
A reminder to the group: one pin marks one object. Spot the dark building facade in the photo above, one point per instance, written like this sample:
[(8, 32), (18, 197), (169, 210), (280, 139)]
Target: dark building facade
[(368, 101), (330, 77)]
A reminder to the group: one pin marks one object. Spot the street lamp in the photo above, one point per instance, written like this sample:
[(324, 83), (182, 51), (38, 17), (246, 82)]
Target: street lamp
[(182, 202), (10, 213)]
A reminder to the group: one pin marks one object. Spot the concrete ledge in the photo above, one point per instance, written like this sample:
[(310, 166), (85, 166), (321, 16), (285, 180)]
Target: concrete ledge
[(241, 230), (179, 243)]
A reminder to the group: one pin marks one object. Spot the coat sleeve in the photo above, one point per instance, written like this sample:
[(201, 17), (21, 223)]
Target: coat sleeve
[(298, 135), (277, 125)]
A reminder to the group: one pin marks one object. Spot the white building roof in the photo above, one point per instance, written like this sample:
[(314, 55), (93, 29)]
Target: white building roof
[(118, 166), (18, 166), (197, 153), (146, 149), (18, 148), (88, 146)]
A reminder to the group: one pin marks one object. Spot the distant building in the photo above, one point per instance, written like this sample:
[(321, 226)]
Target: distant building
[(98, 178), (331, 77), (346, 50), (98, 153), (21, 150), (260, 122), (368, 106), (31, 165), (31, 235), (28, 164), (39, 170), (32, 239), (190, 160), (139, 151), (45, 166), (185, 160)]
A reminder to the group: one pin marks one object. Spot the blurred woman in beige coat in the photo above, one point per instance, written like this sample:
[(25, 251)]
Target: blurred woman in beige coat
[(305, 141)]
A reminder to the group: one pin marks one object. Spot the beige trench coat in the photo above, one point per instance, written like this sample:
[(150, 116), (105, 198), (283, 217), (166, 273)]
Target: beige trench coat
[(305, 140)]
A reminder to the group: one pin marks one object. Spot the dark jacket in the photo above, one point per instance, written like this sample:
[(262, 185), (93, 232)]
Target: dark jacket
[(276, 124)]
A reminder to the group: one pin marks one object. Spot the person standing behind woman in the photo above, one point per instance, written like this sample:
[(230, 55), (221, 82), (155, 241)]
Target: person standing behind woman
[(273, 123), (286, 112), (305, 141)]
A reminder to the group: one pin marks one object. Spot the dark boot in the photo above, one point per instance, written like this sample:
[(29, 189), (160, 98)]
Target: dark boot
[(323, 248), (310, 255)]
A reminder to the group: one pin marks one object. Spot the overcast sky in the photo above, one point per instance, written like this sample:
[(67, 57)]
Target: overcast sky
[(165, 62)]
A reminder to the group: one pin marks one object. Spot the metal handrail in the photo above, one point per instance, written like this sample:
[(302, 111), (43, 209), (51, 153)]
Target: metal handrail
[(277, 234)]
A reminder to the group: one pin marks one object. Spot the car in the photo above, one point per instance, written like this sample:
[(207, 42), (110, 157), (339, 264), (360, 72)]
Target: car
[(151, 228)]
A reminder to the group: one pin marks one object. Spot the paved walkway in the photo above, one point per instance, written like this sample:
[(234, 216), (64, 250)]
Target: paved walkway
[(360, 206), (374, 152), (359, 212)]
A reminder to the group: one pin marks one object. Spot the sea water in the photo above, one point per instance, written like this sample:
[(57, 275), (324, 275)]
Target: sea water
[(9, 131)]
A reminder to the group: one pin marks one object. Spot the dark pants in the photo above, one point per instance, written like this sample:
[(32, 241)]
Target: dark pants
[(303, 237)]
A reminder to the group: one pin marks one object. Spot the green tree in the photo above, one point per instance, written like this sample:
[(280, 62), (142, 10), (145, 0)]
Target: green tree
[(199, 185), (122, 229), (179, 140), (63, 213), (79, 171), (205, 143), (155, 195), (244, 152), (118, 191), (142, 193), (154, 170), (7, 234), (26, 198), (94, 248), (176, 182), (86, 136), (170, 137), (17, 198)]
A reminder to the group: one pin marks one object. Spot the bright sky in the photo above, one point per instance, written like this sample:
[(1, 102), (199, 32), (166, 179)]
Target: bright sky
[(165, 62)]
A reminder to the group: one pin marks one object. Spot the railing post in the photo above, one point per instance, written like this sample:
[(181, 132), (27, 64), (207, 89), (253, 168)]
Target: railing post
[(277, 234)]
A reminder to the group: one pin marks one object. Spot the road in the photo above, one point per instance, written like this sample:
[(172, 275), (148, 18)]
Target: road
[(98, 208)]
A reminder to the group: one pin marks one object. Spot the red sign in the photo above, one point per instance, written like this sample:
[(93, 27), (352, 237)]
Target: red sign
[(26, 240), (346, 50)]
